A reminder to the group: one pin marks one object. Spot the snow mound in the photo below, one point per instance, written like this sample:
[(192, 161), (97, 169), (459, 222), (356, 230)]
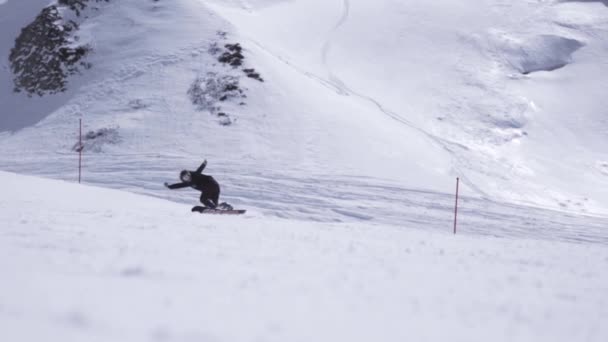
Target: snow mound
[(540, 53)]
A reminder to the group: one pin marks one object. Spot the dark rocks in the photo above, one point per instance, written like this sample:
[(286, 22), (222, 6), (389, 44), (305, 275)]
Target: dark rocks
[(46, 52), (215, 91), (234, 56), (78, 5), (41, 59), (251, 73), (93, 141)]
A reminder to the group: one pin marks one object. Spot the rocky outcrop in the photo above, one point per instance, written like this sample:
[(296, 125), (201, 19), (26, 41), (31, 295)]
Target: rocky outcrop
[(47, 51)]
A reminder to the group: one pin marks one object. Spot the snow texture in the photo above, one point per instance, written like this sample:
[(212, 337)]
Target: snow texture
[(81, 263), (482, 91), (542, 53), (605, 2), (341, 126)]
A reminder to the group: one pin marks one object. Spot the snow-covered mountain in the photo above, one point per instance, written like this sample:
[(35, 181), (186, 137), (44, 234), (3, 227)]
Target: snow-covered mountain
[(341, 126), (506, 95)]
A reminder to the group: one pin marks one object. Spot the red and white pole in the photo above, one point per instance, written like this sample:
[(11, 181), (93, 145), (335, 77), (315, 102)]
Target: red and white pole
[(80, 148), (456, 205)]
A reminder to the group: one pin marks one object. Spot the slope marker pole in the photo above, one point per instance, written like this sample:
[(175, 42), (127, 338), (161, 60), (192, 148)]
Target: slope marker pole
[(80, 147), (456, 205)]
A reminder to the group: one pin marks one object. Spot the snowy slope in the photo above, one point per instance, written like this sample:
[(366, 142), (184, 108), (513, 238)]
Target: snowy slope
[(451, 71), (386, 94), (345, 158), (81, 263)]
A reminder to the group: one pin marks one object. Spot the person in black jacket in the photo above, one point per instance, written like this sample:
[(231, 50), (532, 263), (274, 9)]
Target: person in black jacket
[(209, 188)]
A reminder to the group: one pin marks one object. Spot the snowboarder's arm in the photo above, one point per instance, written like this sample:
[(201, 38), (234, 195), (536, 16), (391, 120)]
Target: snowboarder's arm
[(177, 185), (202, 167)]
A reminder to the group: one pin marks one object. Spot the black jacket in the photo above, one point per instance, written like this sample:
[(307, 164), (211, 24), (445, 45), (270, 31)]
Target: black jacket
[(200, 182)]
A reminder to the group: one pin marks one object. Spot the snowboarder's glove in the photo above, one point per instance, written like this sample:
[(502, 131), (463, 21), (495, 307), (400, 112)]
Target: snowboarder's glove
[(166, 184)]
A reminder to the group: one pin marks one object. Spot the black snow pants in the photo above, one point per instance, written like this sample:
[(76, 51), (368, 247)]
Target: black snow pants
[(210, 198)]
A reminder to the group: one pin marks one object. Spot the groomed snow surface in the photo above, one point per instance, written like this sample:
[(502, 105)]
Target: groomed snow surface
[(81, 263)]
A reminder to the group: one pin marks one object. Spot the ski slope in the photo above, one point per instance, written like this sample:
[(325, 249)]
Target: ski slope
[(82, 263), (345, 157), (506, 95)]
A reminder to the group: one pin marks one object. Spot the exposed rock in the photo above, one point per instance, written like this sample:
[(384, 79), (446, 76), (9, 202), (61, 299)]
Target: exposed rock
[(46, 52), (251, 73), (234, 55), (43, 58)]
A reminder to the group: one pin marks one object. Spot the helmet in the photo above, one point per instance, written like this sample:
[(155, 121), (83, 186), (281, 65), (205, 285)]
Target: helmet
[(185, 176)]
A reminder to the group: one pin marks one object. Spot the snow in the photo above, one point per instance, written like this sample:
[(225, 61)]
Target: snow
[(543, 53), (345, 159), (482, 92), (82, 263)]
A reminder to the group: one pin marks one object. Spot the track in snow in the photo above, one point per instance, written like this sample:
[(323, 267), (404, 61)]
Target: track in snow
[(330, 198)]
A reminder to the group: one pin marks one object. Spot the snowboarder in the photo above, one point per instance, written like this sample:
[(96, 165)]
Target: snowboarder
[(209, 188)]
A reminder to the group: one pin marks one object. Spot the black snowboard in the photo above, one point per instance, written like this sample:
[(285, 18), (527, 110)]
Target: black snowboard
[(204, 210)]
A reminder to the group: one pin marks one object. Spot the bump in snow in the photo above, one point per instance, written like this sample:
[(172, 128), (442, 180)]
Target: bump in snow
[(540, 53)]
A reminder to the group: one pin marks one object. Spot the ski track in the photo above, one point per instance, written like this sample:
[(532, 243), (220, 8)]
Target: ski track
[(330, 198), (195, 278), (333, 79), (337, 85)]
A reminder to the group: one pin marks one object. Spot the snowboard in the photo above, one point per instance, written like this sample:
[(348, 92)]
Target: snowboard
[(204, 210)]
